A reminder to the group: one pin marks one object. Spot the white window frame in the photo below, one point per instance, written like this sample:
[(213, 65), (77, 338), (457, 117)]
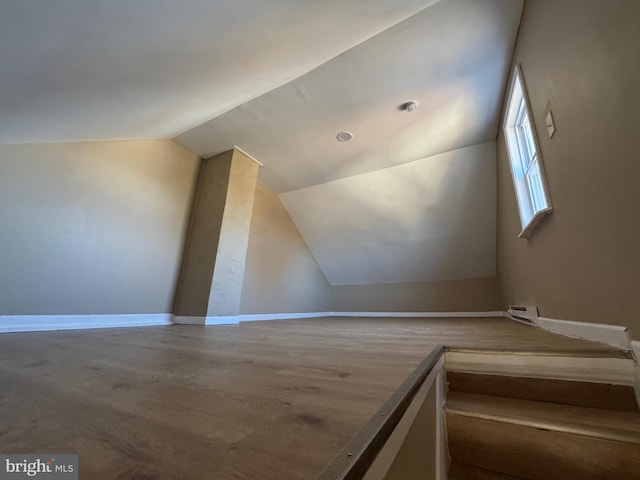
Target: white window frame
[(527, 170)]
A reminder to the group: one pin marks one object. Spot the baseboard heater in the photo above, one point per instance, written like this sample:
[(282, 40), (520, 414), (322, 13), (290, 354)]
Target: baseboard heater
[(524, 313)]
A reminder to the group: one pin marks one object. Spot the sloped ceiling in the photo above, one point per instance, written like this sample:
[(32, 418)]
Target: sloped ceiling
[(428, 220), (405, 200), (451, 58), (413, 196), (74, 70)]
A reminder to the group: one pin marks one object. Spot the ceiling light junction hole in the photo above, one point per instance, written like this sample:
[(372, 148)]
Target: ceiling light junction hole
[(344, 136), (409, 106)]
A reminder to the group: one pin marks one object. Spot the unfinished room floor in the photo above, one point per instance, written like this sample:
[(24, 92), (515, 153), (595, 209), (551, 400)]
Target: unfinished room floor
[(260, 400)]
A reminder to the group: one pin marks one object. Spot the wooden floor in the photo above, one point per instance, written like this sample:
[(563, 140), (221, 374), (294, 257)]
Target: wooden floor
[(259, 400)]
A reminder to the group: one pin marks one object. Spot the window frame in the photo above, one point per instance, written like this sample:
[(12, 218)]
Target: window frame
[(523, 163)]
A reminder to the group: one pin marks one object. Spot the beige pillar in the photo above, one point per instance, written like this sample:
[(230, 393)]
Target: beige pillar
[(215, 250)]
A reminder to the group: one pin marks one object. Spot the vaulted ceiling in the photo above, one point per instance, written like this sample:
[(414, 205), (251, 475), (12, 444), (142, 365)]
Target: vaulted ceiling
[(410, 198), (450, 58), (75, 70)]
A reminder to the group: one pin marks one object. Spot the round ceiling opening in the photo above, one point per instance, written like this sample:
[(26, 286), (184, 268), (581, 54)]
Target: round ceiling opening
[(408, 106), (344, 136)]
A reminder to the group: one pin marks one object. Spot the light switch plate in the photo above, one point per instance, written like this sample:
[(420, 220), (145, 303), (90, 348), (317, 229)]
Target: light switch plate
[(551, 126)]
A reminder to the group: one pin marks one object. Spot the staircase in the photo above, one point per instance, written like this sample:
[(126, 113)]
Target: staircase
[(514, 427)]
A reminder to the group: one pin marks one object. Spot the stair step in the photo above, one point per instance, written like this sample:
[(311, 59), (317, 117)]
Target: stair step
[(587, 394), (541, 440), (466, 472), (605, 367), (587, 421), (534, 454)]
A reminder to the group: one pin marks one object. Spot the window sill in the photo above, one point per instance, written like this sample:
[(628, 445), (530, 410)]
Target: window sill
[(533, 223)]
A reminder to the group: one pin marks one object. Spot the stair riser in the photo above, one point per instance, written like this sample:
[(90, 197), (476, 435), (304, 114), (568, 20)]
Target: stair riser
[(534, 454)]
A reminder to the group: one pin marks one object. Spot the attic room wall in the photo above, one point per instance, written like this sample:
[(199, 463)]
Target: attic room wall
[(469, 295), (583, 262), (92, 228), (281, 275)]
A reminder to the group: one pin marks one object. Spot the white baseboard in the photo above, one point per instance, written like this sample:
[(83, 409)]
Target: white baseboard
[(418, 314), (205, 320), (34, 323), (235, 319), (256, 317), (222, 320), (614, 335), (38, 323)]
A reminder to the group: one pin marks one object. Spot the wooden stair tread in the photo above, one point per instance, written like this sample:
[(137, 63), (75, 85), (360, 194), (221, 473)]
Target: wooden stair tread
[(593, 422), (537, 454), (596, 350), (587, 394), (458, 471)]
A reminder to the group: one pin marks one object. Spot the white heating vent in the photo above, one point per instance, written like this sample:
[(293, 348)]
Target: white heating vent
[(526, 313)]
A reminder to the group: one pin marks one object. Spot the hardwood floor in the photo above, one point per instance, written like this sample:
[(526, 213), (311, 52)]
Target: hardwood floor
[(259, 400)]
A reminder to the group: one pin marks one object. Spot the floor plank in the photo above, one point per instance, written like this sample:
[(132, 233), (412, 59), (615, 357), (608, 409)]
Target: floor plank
[(274, 399)]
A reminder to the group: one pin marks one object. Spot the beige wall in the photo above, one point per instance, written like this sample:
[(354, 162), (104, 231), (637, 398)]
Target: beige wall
[(91, 228), (429, 220), (583, 262), (281, 275), (471, 295)]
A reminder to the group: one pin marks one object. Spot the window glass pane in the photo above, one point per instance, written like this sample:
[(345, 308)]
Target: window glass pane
[(525, 138), (525, 154), (528, 134), (536, 188)]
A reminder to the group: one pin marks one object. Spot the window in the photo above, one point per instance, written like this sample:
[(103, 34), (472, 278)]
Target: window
[(524, 156)]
